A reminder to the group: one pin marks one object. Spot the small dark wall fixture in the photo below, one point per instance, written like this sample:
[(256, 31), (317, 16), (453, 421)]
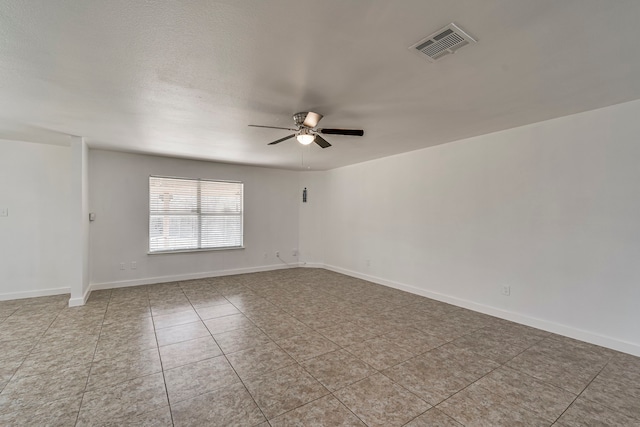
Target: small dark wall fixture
[(304, 195)]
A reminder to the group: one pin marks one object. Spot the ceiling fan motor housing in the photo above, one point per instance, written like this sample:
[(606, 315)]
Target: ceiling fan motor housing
[(299, 118)]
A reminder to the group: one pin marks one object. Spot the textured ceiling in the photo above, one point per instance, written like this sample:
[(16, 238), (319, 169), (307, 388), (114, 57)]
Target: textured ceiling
[(186, 78)]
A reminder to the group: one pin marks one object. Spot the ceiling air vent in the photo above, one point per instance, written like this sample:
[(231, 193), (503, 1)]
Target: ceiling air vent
[(441, 43)]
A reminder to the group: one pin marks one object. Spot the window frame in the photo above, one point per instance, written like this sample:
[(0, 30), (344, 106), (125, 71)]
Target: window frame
[(199, 214)]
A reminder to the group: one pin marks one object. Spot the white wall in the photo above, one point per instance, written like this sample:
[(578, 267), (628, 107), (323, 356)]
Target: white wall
[(35, 258), (313, 218), (551, 209), (79, 238), (119, 196)]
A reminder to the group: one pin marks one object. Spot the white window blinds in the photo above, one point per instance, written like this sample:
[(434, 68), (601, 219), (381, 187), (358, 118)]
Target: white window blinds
[(187, 214)]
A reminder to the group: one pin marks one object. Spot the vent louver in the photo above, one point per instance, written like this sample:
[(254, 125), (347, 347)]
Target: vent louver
[(443, 42)]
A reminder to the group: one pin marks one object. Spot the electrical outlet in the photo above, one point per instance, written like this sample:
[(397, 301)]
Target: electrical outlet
[(122, 267), (506, 290), (277, 254), (134, 265)]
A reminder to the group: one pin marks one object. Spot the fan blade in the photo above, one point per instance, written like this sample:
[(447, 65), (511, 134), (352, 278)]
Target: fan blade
[(312, 119), (352, 132), (270, 127), (322, 142), (282, 139)]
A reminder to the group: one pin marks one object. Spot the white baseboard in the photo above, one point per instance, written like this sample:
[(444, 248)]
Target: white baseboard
[(190, 276), (79, 301), (33, 294), (545, 325), (311, 265)]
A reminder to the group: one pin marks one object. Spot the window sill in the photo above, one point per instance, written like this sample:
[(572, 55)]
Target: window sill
[(182, 251)]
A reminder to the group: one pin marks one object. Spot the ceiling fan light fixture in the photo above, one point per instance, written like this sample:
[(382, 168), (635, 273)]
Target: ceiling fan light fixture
[(305, 137)]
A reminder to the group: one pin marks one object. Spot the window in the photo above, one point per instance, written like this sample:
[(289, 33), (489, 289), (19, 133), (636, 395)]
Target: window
[(191, 214)]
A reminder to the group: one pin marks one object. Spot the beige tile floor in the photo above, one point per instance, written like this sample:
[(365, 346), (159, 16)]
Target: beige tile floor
[(298, 347)]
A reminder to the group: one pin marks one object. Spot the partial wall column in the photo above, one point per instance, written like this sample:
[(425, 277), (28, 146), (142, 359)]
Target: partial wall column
[(80, 221)]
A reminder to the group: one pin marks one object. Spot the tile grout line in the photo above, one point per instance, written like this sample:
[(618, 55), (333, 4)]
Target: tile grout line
[(459, 391), (331, 393), (582, 391), (296, 362), (483, 376), (275, 343), (224, 354), (95, 350), (343, 348), (504, 365), (349, 409), (31, 351), (155, 333), (376, 371), (34, 345), (551, 337)]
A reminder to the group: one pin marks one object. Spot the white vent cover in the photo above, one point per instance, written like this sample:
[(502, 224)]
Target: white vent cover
[(441, 43)]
